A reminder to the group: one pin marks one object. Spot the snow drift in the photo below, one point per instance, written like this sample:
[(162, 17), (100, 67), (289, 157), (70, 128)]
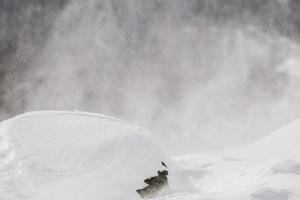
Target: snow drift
[(78, 156), (283, 143), (268, 169)]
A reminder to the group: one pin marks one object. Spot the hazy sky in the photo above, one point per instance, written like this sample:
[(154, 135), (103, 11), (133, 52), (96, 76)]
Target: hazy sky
[(200, 74)]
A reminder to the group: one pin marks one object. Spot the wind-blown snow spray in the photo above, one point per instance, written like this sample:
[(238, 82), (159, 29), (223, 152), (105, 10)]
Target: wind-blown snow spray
[(202, 73)]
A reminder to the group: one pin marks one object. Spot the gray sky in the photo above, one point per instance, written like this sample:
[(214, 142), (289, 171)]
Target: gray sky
[(202, 75)]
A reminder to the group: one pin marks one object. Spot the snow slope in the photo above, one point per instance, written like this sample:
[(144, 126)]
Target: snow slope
[(283, 143), (269, 169), (77, 156)]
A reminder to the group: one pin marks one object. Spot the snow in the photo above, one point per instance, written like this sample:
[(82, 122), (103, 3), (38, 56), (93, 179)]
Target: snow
[(287, 167), (75, 155), (268, 169)]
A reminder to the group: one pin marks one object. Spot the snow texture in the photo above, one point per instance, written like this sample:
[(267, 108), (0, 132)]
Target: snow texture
[(76, 156), (268, 169)]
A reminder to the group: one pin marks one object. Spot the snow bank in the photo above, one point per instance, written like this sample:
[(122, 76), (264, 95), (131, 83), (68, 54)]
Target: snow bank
[(283, 143), (268, 169), (77, 156)]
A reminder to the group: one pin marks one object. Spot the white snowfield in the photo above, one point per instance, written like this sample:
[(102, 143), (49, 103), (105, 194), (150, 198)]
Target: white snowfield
[(77, 156), (83, 156), (269, 169)]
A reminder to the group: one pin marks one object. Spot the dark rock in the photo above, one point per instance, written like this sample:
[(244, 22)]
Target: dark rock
[(155, 184)]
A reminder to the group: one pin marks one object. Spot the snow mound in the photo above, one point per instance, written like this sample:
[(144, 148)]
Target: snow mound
[(270, 194), (287, 167), (53, 155), (283, 143), (268, 169)]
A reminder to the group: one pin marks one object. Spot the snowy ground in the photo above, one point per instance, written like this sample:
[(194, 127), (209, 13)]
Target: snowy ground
[(266, 170), (78, 156)]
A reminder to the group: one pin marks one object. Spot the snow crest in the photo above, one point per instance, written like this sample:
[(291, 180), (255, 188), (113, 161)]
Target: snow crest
[(75, 155), (78, 156)]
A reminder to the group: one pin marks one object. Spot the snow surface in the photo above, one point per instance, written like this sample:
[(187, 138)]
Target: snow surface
[(268, 169), (76, 156)]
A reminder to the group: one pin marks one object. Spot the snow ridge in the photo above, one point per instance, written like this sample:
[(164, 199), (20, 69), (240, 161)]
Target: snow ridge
[(74, 155)]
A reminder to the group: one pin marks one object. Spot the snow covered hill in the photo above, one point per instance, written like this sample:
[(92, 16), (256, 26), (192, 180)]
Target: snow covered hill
[(268, 169), (77, 156), (283, 143)]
